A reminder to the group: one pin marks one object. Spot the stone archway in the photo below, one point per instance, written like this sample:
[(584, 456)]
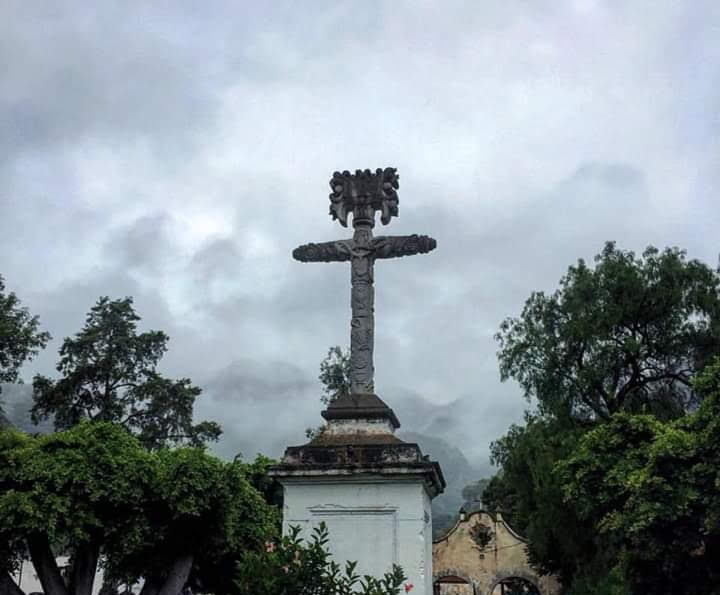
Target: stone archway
[(452, 582), (515, 584)]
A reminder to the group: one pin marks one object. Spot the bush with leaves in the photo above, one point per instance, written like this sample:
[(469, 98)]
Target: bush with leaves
[(295, 567)]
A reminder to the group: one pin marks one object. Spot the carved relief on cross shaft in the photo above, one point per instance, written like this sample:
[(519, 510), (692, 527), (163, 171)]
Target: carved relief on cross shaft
[(361, 342), (362, 300), (362, 269)]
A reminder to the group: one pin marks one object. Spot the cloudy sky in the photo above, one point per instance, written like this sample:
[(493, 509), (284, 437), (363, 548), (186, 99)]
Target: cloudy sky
[(178, 151)]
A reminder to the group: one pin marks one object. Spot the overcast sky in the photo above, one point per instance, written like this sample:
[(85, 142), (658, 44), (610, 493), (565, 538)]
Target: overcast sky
[(178, 151)]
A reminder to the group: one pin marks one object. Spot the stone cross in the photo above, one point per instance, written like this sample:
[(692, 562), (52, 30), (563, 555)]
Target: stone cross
[(361, 194)]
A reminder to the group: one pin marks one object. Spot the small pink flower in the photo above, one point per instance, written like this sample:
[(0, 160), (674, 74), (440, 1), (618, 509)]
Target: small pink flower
[(286, 569), (409, 587), (269, 546)]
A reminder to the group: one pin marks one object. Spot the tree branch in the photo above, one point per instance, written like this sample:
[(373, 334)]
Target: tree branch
[(132, 416)]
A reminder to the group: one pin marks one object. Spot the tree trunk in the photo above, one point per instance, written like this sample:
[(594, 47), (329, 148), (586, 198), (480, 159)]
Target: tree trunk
[(44, 561), (8, 585), (178, 575), (84, 567), (152, 586)]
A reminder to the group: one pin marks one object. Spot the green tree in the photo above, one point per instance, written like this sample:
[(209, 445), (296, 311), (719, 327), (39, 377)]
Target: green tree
[(650, 488), (335, 373), (531, 497), (109, 373), (335, 379), (199, 515), (293, 567), (171, 517), (69, 492), (20, 336), (626, 335)]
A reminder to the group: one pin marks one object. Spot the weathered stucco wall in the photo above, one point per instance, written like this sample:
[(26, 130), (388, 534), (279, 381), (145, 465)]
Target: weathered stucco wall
[(376, 522), (458, 553)]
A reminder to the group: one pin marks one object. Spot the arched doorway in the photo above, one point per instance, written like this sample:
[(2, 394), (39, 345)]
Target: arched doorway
[(453, 585), (515, 585)]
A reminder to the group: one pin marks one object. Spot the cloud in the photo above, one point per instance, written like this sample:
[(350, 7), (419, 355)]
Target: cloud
[(179, 154)]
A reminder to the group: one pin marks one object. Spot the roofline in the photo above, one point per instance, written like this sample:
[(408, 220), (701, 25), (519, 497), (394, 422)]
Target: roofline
[(427, 471), (497, 518)]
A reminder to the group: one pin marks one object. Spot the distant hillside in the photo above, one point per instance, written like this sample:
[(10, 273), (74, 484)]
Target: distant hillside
[(458, 472), (457, 434), (16, 402)]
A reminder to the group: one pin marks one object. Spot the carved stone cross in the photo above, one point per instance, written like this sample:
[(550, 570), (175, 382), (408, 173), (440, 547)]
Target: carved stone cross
[(361, 194)]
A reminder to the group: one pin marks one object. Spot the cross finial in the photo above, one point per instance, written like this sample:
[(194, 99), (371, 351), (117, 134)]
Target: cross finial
[(363, 193)]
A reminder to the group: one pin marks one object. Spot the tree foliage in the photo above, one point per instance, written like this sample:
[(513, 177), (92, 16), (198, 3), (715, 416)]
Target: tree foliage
[(20, 338), (530, 496), (172, 517), (626, 335), (610, 360), (109, 373), (294, 567), (198, 516), (651, 490), (335, 373), (72, 491), (167, 519), (335, 380), (20, 335)]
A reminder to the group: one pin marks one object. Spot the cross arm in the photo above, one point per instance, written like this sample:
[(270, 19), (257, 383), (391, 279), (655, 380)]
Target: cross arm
[(394, 246), (338, 251)]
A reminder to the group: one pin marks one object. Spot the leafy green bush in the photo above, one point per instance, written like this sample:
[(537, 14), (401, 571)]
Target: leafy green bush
[(296, 567)]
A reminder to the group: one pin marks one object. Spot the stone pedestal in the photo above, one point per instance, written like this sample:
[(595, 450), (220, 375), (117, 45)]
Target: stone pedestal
[(372, 490)]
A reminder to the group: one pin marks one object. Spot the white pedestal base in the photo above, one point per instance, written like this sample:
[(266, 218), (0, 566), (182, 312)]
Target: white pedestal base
[(377, 522)]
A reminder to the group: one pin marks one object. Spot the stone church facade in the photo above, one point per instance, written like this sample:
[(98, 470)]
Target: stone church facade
[(482, 555)]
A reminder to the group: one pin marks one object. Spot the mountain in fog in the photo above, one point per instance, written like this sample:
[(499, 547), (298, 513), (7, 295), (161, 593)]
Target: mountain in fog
[(16, 402)]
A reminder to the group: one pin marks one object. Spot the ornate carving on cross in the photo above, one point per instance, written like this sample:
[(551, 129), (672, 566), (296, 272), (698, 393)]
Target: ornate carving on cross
[(361, 194)]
